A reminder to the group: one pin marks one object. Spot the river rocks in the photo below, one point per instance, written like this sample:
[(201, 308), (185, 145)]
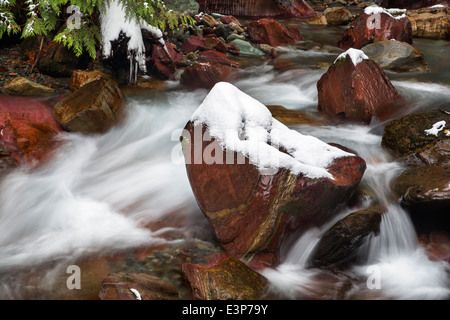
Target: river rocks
[(357, 88), (337, 15), (410, 136), (252, 208), (271, 32), (424, 186), (431, 23), (397, 56), (258, 8), (246, 48), (194, 43), (136, 286), (93, 108), (224, 278), (288, 116), (81, 77), (28, 130), (319, 20), (22, 86), (206, 74), (338, 246), (164, 61), (376, 24)]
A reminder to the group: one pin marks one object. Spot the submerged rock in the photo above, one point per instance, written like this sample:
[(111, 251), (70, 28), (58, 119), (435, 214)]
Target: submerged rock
[(397, 56), (258, 182), (224, 278), (93, 108), (27, 129), (136, 286), (374, 24), (358, 89)]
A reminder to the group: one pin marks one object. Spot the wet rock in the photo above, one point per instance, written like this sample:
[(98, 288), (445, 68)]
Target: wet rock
[(252, 212), (163, 62), (224, 31), (337, 15), (436, 155), (339, 245), (271, 32), (212, 56), (437, 245), (319, 19), (358, 92), (288, 116), (93, 108), (430, 23), (28, 131), (209, 21), (230, 19), (137, 286), (206, 74), (224, 278), (424, 186), (215, 44), (407, 136), (81, 77), (246, 48), (22, 86), (368, 28), (397, 56), (258, 8)]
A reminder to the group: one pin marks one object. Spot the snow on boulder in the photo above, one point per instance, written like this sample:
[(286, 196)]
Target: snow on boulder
[(358, 89), (256, 180), (374, 24)]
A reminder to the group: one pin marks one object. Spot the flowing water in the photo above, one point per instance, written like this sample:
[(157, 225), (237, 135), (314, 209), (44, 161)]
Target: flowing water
[(125, 190)]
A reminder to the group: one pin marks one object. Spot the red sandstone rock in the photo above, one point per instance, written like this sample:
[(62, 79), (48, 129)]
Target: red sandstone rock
[(271, 32), (205, 74), (252, 214), (161, 64), (192, 44), (358, 92), (224, 278), (258, 8), (369, 28), (216, 57), (27, 130)]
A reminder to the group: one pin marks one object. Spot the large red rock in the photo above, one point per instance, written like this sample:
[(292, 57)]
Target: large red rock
[(358, 92), (27, 130), (271, 32), (368, 28), (258, 8), (224, 278), (206, 74), (253, 212), (193, 44)]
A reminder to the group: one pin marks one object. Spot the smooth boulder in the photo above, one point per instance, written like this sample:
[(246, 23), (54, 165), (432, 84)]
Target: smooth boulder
[(358, 89), (271, 32)]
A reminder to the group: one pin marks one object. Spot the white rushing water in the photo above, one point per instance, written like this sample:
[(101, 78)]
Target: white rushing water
[(99, 191)]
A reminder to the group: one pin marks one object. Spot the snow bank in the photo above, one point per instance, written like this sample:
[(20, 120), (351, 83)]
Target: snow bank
[(243, 124), (356, 55), (114, 21)]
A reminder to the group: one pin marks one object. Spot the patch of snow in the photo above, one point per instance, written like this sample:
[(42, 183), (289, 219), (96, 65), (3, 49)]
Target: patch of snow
[(437, 6), (136, 293), (376, 10), (114, 21), (356, 55), (437, 127), (243, 124)]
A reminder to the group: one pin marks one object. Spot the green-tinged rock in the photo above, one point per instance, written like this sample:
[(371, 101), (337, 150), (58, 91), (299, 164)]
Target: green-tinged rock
[(24, 87), (246, 49), (224, 278)]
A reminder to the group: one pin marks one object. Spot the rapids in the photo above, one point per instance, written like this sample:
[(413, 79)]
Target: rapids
[(103, 195)]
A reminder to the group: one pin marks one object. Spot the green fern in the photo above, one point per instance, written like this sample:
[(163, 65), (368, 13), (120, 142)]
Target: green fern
[(43, 17)]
